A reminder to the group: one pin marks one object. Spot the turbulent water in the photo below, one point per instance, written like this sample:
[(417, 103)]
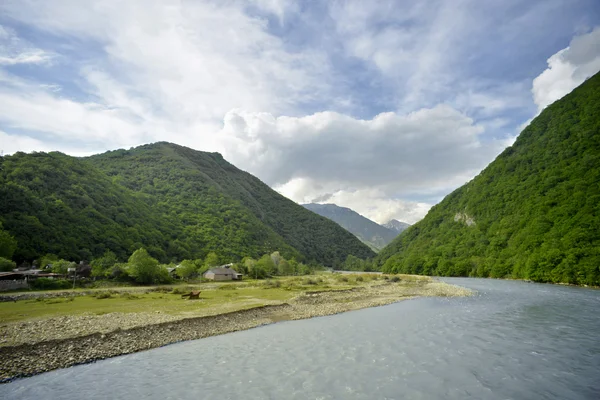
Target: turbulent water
[(513, 340)]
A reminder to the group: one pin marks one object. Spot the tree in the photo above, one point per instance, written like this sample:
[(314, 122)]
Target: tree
[(353, 263), (212, 260), (285, 268), (304, 269), (293, 266), (47, 260), (266, 264), (8, 244), (276, 257), (101, 266), (7, 265), (143, 268), (256, 269), (62, 266), (187, 269)]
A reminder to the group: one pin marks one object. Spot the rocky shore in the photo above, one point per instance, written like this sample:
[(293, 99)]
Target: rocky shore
[(35, 356)]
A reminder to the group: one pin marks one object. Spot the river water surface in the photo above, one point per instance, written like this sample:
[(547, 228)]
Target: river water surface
[(513, 340)]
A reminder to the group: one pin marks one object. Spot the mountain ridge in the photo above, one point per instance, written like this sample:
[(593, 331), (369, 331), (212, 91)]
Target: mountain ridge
[(178, 202), (396, 225), (368, 231)]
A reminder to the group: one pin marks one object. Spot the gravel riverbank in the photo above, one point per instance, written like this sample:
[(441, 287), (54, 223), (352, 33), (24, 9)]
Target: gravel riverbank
[(84, 339)]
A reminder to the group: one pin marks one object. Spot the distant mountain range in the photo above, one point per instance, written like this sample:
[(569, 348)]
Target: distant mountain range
[(396, 225), (369, 232)]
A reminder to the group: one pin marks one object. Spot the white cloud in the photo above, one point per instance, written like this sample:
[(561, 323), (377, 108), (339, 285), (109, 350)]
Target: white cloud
[(568, 68), (412, 151), (10, 144), (373, 203), (188, 60), (336, 158), (214, 76), (14, 50)]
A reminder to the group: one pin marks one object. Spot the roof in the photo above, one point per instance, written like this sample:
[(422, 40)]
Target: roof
[(223, 271), (4, 274)]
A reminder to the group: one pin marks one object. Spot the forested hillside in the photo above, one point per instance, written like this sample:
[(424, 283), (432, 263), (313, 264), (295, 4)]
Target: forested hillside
[(533, 213), (369, 232), (176, 202), (211, 196)]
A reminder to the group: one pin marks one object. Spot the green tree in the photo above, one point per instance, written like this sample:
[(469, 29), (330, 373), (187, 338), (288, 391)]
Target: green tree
[(101, 266), (7, 265), (212, 260), (266, 264), (187, 269), (276, 257), (143, 268), (353, 263), (8, 244), (62, 266), (119, 272), (285, 268), (47, 259), (256, 269), (293, 266)]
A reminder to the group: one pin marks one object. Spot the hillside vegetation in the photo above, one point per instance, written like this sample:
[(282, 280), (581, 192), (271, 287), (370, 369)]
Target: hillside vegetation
[(533, 213), (176, 202)]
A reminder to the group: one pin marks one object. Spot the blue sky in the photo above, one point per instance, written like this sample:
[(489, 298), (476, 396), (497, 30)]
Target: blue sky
[(384, 107)]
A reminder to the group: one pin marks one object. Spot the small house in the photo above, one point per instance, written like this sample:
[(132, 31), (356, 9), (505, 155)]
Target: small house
[(222, 273), (173, 272)]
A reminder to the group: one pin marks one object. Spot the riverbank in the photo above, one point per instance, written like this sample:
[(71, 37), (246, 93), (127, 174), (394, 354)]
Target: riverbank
[(34, 345)]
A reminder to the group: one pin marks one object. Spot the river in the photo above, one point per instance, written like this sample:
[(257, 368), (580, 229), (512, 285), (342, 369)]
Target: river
[(512, 340)]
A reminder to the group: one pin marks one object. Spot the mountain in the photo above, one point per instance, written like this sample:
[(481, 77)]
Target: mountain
[(396, 225), (177, 202), (369, 232), (533, 213)]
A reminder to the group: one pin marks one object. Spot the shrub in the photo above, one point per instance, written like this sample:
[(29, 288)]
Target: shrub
[(395, 279), (359, 279), (227, 287), (180, 290), (50, 284), (57, 300), (130, 296), (309, 281), (160, 289), (103, 295), (7, 265), (271, 284)]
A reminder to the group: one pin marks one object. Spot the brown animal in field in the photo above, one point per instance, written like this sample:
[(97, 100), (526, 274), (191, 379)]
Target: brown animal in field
[(191, 295)]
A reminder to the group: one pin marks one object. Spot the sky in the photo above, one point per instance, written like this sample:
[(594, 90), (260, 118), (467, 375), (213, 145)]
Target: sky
[(384, 107)]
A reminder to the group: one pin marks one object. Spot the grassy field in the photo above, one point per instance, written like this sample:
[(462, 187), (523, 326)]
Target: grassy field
[(215, 298)]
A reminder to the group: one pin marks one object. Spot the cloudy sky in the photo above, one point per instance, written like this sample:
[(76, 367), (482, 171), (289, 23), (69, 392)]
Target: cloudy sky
[(384, 107)]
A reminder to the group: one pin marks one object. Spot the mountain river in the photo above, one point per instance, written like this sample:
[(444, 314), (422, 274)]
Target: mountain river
[(512, 340)]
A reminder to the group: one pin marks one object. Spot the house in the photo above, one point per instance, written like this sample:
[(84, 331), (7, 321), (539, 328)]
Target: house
[(222, 273), (82, 270), (173, 272)]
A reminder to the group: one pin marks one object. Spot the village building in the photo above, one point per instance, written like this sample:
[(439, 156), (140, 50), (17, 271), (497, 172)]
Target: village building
[(222, 273)]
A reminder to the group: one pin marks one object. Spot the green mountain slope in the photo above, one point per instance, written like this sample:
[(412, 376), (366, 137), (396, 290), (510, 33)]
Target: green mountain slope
[(53, 203), (369, 232), (533, 213), (208, 194), (176, 202)]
